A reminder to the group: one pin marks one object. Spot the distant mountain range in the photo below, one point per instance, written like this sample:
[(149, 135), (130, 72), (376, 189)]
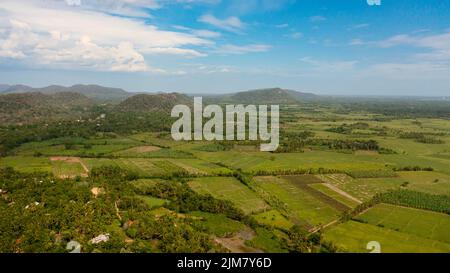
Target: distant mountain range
[(25, 104), (95, 92), (102, 94)]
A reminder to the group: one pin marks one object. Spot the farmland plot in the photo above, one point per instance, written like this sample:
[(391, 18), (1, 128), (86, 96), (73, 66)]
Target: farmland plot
[(426, 224), (353, 236), (304, 208), (228, 188)]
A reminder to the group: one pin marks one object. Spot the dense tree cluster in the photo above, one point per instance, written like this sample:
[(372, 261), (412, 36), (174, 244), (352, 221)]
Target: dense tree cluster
[(419, 200), (42, 214)]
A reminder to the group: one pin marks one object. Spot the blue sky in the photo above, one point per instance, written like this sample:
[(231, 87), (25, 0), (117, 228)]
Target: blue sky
[(340, 47)]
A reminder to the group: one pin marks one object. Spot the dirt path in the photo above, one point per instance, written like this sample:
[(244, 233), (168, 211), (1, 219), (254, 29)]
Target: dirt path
[(236, 244), (315, 229), (343, 193), (84, 166)]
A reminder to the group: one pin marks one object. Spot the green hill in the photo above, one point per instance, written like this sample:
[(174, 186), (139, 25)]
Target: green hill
[(35, 106), (269, 96), (94, 92), (153, 102)]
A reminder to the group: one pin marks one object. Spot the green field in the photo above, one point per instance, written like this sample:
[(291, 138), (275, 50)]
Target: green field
[(273, 218), (266, 241), (332, 158), (148, 167), (363, 188), (229, 188), (426, 224), (304, 208), (153, 202), (354, 236), (198, 166), (76, 146), (98, 162), (335, 195), (217, 224), (67, 169), (430, 182), (27, 164)]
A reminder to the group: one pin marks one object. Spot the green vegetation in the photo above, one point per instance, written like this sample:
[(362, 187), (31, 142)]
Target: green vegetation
[(216, 224), (354, 236), (421, 223), (347, 172), (67, 169), (304, 208), (266, 241), (273, 218), (335, 195), (415, 199), (228, 188)]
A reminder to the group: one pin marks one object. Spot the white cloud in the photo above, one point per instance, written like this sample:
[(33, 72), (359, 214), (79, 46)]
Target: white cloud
[(251, 6), (317, 19), (235, 49), (296, 35), (232, 24), (73, 2), (174, 51), (282, 26), (208, 2), (203, 33), (396, 40), (355, 42), (48, 33), (206, 33), (132, 8), (329, 66), (418, 70), (437, 44), (358, 26), (210, 69)]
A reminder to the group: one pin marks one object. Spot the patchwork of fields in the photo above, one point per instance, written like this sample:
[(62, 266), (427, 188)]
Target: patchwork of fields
[(311, 188)]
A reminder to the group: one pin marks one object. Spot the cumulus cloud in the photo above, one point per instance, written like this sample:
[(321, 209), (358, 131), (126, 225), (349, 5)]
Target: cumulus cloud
[(47, 33), (175, 51), (131, 8)]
